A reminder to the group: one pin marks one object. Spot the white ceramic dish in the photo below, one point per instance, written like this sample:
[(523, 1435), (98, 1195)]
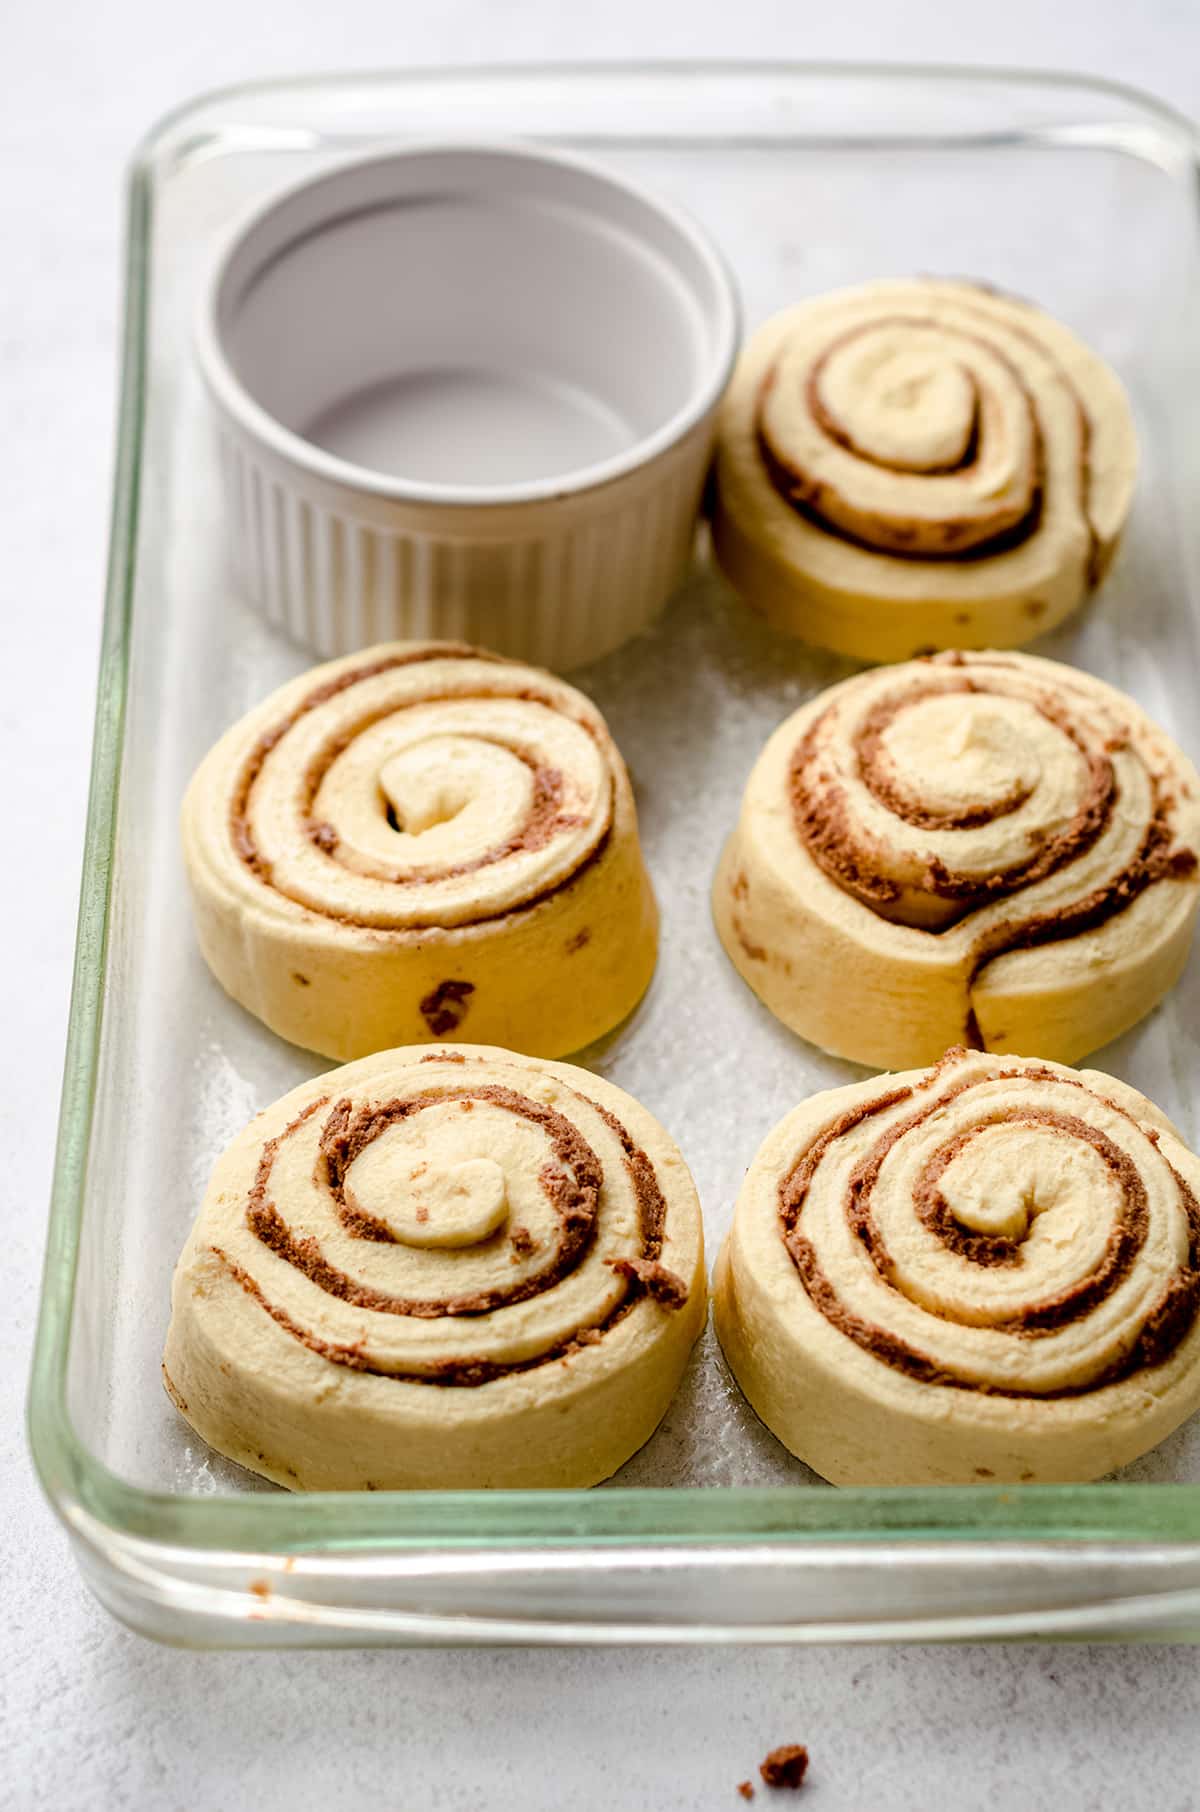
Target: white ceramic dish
[(465, 391)]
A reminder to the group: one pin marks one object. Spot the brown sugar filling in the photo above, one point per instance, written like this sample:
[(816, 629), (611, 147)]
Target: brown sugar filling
[(821, 817), (805, 495), (239, 825), (665, 1286), (872, 768), (1125, 1241), (572, 1181), (837, 431), (1163, 1328), (809, 496), (445, 1007), (546, 817)]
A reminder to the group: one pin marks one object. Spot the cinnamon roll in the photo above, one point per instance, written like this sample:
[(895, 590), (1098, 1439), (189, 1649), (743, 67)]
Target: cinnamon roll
[(916, 465), (990, 1270), (447, 1267), (988, 849), (417, 841)]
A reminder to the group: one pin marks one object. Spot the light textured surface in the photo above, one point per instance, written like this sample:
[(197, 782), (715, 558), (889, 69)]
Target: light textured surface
[(92, 1717)]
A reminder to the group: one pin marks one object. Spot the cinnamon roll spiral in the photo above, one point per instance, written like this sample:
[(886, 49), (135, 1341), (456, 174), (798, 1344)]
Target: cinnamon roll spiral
[(916, 465), (449, 1267), (419, 839), (990, 1270), (989, 849)]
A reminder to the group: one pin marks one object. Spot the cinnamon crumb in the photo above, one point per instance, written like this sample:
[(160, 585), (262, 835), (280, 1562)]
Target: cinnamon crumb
[(746, 1789), (755, 952), (445, 1007), (665, 1286), (785, 1766)]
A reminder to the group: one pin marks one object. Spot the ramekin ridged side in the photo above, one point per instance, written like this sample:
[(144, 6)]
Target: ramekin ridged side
[(556, 584)]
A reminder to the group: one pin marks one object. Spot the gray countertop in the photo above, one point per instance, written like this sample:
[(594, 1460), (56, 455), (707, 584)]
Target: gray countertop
[(91, 1716)]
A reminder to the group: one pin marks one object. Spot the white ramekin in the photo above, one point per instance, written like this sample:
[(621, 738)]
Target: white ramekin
[(467, 392)]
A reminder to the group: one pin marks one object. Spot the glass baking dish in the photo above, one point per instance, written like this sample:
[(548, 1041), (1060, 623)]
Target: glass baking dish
[(1080, 194)]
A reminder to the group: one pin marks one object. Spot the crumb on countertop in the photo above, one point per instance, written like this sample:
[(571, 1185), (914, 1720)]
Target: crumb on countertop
[(785, 1766)]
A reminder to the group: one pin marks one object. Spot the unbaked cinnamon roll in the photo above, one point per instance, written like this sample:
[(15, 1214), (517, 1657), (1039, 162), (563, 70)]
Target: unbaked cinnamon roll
[(990, 1270), (989, 849), (916, 465), (447, 1267), (417, 841)]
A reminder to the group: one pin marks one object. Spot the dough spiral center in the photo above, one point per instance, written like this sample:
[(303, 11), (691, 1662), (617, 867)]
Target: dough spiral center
[(444, 790), (909, 434), (1005, 1231), (455, 1230), (952, 795), (428, 1201)]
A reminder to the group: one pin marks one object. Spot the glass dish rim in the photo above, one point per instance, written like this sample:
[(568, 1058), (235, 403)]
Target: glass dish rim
[(86, 1494)]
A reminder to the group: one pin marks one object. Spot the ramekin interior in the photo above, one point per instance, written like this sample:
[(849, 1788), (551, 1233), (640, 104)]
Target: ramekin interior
[(468, 324)]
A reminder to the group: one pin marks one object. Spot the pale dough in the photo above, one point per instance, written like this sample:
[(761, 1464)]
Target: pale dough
[(986, 848), (986, 1271), (439, 1268), (920, 464), (419, 840)]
